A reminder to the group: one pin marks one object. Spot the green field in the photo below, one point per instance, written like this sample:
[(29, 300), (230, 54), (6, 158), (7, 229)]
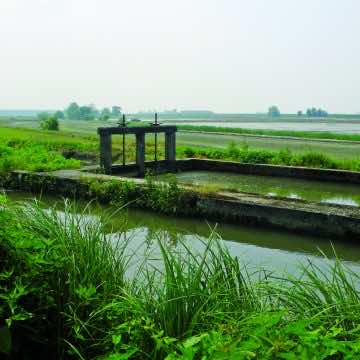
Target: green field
[(339, 150), (66, 286), (87, 131)]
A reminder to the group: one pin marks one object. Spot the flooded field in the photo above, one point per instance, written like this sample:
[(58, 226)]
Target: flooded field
[(318, 191), (341, 127)]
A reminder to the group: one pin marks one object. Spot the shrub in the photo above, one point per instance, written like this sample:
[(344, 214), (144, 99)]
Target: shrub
[(50, 123), (189, 152), (162, 195)]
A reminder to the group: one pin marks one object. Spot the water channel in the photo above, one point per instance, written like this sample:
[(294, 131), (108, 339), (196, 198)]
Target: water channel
[(341, 127), (274, 250), (318, 191)]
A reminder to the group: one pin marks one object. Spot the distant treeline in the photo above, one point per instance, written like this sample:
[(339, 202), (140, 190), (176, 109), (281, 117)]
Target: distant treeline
[(88, 112)]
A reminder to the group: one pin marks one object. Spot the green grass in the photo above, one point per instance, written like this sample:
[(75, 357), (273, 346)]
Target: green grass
[(25, 149), (84, 133), (37, 150), (30, 149), (338, 150), (66, 292), (258, 156)]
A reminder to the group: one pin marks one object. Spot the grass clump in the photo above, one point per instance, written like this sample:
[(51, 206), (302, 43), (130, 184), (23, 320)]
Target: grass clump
[(69, 290), (164, 195)]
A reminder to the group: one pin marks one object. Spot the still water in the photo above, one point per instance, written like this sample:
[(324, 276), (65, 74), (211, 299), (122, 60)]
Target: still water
[(273, 250), (340, 127), (318, 191)]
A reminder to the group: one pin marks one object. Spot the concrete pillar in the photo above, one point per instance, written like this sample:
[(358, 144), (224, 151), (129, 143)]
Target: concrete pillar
[(105, 152), (170, 146), (140, 153)]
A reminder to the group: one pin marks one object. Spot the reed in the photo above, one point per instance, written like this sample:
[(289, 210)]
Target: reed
[(66, 289)]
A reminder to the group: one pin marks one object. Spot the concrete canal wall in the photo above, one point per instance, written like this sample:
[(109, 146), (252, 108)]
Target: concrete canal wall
[(306, 173), (270, 170), (340, 222)]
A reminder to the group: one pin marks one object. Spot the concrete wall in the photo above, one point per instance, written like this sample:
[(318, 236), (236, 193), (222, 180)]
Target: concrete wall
[(250, 169), (339, 222), (270, 170), (302, 221)]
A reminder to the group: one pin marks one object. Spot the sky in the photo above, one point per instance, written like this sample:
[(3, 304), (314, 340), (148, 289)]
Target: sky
[(220, 55)]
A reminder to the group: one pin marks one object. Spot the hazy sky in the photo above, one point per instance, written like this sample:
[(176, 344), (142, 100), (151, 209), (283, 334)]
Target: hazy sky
[(222, 55)]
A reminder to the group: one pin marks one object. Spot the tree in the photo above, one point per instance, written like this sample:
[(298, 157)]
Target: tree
[(73, 111), (299, 113), (273, 111), (86, 113), (94, 111), (313, 112), (60, 114), (50, 123), (105, 114), (43, 116), (116, 111)]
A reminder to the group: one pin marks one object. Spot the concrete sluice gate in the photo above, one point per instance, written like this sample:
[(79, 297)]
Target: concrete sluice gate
[(106, 133)]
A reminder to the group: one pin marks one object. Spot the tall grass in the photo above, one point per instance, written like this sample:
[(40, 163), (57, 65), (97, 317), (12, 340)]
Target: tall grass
[(330, 292), (66, 290), (73, 269), (197, 290)]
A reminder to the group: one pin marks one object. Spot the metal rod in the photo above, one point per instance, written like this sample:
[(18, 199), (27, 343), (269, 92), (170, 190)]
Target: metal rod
[(123, 145), (156, 139)]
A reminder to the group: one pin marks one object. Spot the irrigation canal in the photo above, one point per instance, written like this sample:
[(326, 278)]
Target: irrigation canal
[(273, 250)]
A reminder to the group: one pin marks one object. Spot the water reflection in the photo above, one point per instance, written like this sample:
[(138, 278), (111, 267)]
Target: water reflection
[(274, 250), (341, 127), (319, 191)]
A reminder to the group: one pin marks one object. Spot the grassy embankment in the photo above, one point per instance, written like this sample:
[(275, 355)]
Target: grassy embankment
[(29, 149), (66, 292)]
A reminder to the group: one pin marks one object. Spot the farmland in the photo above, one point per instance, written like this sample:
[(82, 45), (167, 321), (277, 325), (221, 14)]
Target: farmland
[(71, 277), (304, 143)]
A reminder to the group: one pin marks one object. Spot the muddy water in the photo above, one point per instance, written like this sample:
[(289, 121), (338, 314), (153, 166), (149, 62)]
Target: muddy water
[(273, 250), (318, 191)]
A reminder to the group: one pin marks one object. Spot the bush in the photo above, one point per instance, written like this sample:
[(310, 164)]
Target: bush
[(189, 152), (50, 123)]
